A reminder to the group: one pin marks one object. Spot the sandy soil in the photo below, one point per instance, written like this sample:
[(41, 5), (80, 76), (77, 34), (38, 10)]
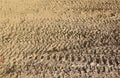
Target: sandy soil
[(59, 38)]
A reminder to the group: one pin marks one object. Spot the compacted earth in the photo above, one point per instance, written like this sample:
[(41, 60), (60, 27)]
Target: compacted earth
[(59, 38)]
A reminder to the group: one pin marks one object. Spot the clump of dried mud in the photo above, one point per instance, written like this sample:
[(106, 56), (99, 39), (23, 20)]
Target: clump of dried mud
[(60, 38)]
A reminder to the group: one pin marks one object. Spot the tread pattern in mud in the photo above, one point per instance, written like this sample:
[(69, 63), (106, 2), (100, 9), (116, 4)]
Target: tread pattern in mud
[(88, 62), (60, 38)]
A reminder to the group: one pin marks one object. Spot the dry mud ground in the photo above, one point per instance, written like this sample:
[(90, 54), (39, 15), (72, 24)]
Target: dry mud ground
[(59, 38)]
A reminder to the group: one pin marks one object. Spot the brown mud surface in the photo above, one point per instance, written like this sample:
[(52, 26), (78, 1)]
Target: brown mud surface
[(59, 38)]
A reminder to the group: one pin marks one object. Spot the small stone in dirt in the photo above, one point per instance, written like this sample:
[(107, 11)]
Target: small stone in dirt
[(1, 60)]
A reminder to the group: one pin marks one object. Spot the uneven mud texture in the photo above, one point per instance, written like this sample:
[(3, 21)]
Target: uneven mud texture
[(60, 38)]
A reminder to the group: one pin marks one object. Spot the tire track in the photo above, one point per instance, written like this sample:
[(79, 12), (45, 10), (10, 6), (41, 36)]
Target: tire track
[(60, 38)]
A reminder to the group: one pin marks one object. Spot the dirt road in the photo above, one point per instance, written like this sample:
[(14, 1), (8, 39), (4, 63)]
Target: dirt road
[(59, 38)]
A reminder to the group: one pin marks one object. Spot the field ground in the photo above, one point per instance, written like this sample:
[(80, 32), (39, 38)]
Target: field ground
[(59, 38)]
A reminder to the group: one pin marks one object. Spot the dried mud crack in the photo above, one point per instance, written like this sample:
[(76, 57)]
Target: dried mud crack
[(59, 38)]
